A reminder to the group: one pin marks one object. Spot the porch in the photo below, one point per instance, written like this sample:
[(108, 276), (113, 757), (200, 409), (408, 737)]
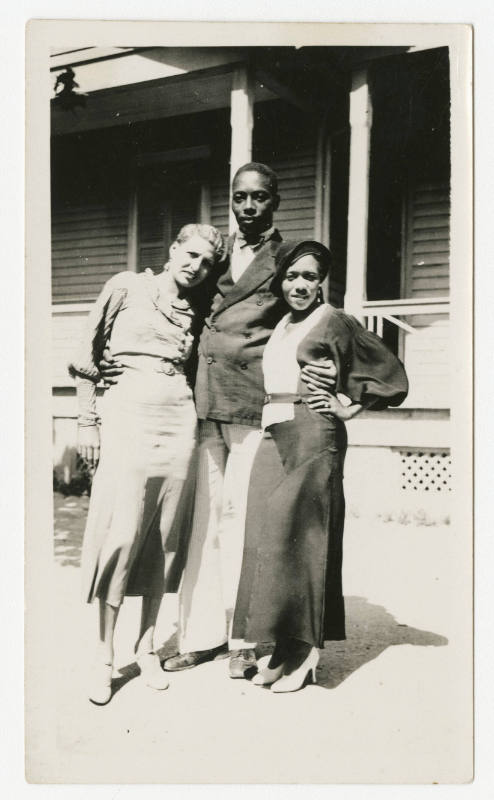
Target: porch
[(360, 140)]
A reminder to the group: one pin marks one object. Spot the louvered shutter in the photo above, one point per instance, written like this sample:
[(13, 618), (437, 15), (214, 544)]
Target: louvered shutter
[(427, 271), (427, 351)]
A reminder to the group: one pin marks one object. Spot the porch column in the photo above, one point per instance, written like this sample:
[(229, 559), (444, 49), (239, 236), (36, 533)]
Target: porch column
[(242, 122), (322, 227), (358, 196), (132, 255)]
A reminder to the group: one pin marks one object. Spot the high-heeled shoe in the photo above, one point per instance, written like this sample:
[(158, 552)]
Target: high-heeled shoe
[(295, 680), (151, 671), (265, 675), (100, 691)]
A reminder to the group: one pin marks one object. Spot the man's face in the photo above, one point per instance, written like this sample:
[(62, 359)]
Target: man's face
[(253, 203)]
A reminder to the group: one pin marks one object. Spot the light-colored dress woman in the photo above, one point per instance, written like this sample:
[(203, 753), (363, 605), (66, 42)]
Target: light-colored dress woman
[(143, 487), (290, 589)]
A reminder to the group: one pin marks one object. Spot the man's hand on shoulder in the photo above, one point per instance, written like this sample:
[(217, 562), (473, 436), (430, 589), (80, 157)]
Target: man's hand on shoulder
[(109, 368), (320, 376), (320, 379)]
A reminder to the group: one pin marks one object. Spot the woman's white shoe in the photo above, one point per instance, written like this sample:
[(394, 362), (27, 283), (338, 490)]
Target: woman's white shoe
[(100, 692), (295, 680), (266, 676), (151, 671)]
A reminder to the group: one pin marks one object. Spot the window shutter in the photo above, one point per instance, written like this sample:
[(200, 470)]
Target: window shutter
[(427, 268), (427, 351)]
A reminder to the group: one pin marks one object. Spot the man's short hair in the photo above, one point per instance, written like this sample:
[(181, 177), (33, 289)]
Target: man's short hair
[(262, 169)]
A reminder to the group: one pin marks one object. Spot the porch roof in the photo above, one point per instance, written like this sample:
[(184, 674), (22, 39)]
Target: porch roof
[(124, 85)]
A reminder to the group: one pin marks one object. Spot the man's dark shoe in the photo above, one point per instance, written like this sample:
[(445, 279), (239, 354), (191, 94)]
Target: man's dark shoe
[(189, 660), (243, 664)]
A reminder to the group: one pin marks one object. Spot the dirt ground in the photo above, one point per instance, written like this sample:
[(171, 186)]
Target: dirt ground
[(391, 702)]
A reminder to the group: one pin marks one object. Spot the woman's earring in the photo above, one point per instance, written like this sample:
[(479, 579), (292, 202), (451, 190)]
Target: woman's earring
[(320, 296)]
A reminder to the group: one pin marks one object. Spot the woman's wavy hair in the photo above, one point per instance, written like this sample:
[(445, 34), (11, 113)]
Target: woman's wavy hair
[(207, 232)]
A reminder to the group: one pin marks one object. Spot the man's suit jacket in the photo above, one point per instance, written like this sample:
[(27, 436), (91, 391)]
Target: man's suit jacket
[(230, 384)]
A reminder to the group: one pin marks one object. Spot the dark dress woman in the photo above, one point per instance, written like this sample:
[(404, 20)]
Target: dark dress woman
[(290, 590)]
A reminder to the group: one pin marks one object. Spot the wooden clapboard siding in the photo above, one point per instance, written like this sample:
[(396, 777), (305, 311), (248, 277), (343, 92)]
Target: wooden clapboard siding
[(296, 171), (89, 245), (220, 203), (427, 351), (67, 329), (427, 361)]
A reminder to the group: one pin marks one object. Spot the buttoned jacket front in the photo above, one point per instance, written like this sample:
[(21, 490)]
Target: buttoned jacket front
[(229, 384)]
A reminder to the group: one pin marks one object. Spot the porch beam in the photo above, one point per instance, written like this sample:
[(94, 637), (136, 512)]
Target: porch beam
[(358, 197), (411, 310), (242, 123), (284, 92)]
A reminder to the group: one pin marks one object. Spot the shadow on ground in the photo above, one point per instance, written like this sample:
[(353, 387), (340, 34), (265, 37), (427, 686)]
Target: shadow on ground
[(370, 630), (131, 671)]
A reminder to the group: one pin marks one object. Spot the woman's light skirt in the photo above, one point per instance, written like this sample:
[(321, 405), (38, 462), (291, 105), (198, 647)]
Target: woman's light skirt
[(142, 495)]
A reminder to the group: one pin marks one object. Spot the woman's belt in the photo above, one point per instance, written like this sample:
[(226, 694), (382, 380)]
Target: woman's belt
[(282, 397), (168, 366)]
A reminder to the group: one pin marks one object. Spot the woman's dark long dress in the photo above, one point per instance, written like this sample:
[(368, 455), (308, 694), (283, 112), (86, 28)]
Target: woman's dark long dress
[(290, 583)]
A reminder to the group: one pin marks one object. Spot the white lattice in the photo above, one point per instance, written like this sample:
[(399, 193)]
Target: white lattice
[(425, 470)]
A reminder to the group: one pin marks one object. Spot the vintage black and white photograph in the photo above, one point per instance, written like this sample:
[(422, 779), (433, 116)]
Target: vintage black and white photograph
[(252, 245)]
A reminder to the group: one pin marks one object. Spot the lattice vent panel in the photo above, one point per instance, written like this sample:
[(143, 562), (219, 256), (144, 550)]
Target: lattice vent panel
[(425, 470)]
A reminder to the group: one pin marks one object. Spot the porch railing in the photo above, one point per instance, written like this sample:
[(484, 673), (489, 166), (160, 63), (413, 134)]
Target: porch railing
[(375, 312), (423, 344)]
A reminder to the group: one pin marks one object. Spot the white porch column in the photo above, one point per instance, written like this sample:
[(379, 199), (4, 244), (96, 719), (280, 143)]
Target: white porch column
[(132, 255), (322, 227), (322, 231), (242, 122), (358, 197), (205, 203)]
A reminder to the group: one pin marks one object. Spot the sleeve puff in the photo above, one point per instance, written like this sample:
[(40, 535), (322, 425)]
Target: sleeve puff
[(369, 373)]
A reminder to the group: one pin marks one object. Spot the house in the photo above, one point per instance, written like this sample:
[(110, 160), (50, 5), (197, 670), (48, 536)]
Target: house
[(145, 139)]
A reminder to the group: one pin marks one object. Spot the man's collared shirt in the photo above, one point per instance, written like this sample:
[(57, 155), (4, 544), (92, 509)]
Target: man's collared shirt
[(243, 253)]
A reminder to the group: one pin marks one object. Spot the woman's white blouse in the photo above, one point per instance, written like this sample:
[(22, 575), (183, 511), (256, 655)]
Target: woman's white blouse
[(280, 365)]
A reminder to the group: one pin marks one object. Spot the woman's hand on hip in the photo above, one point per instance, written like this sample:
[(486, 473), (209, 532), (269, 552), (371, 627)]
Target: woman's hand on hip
[(88, 444), (329, 404)]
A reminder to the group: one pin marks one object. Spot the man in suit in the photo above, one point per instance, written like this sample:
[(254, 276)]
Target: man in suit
[(229, 398)]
